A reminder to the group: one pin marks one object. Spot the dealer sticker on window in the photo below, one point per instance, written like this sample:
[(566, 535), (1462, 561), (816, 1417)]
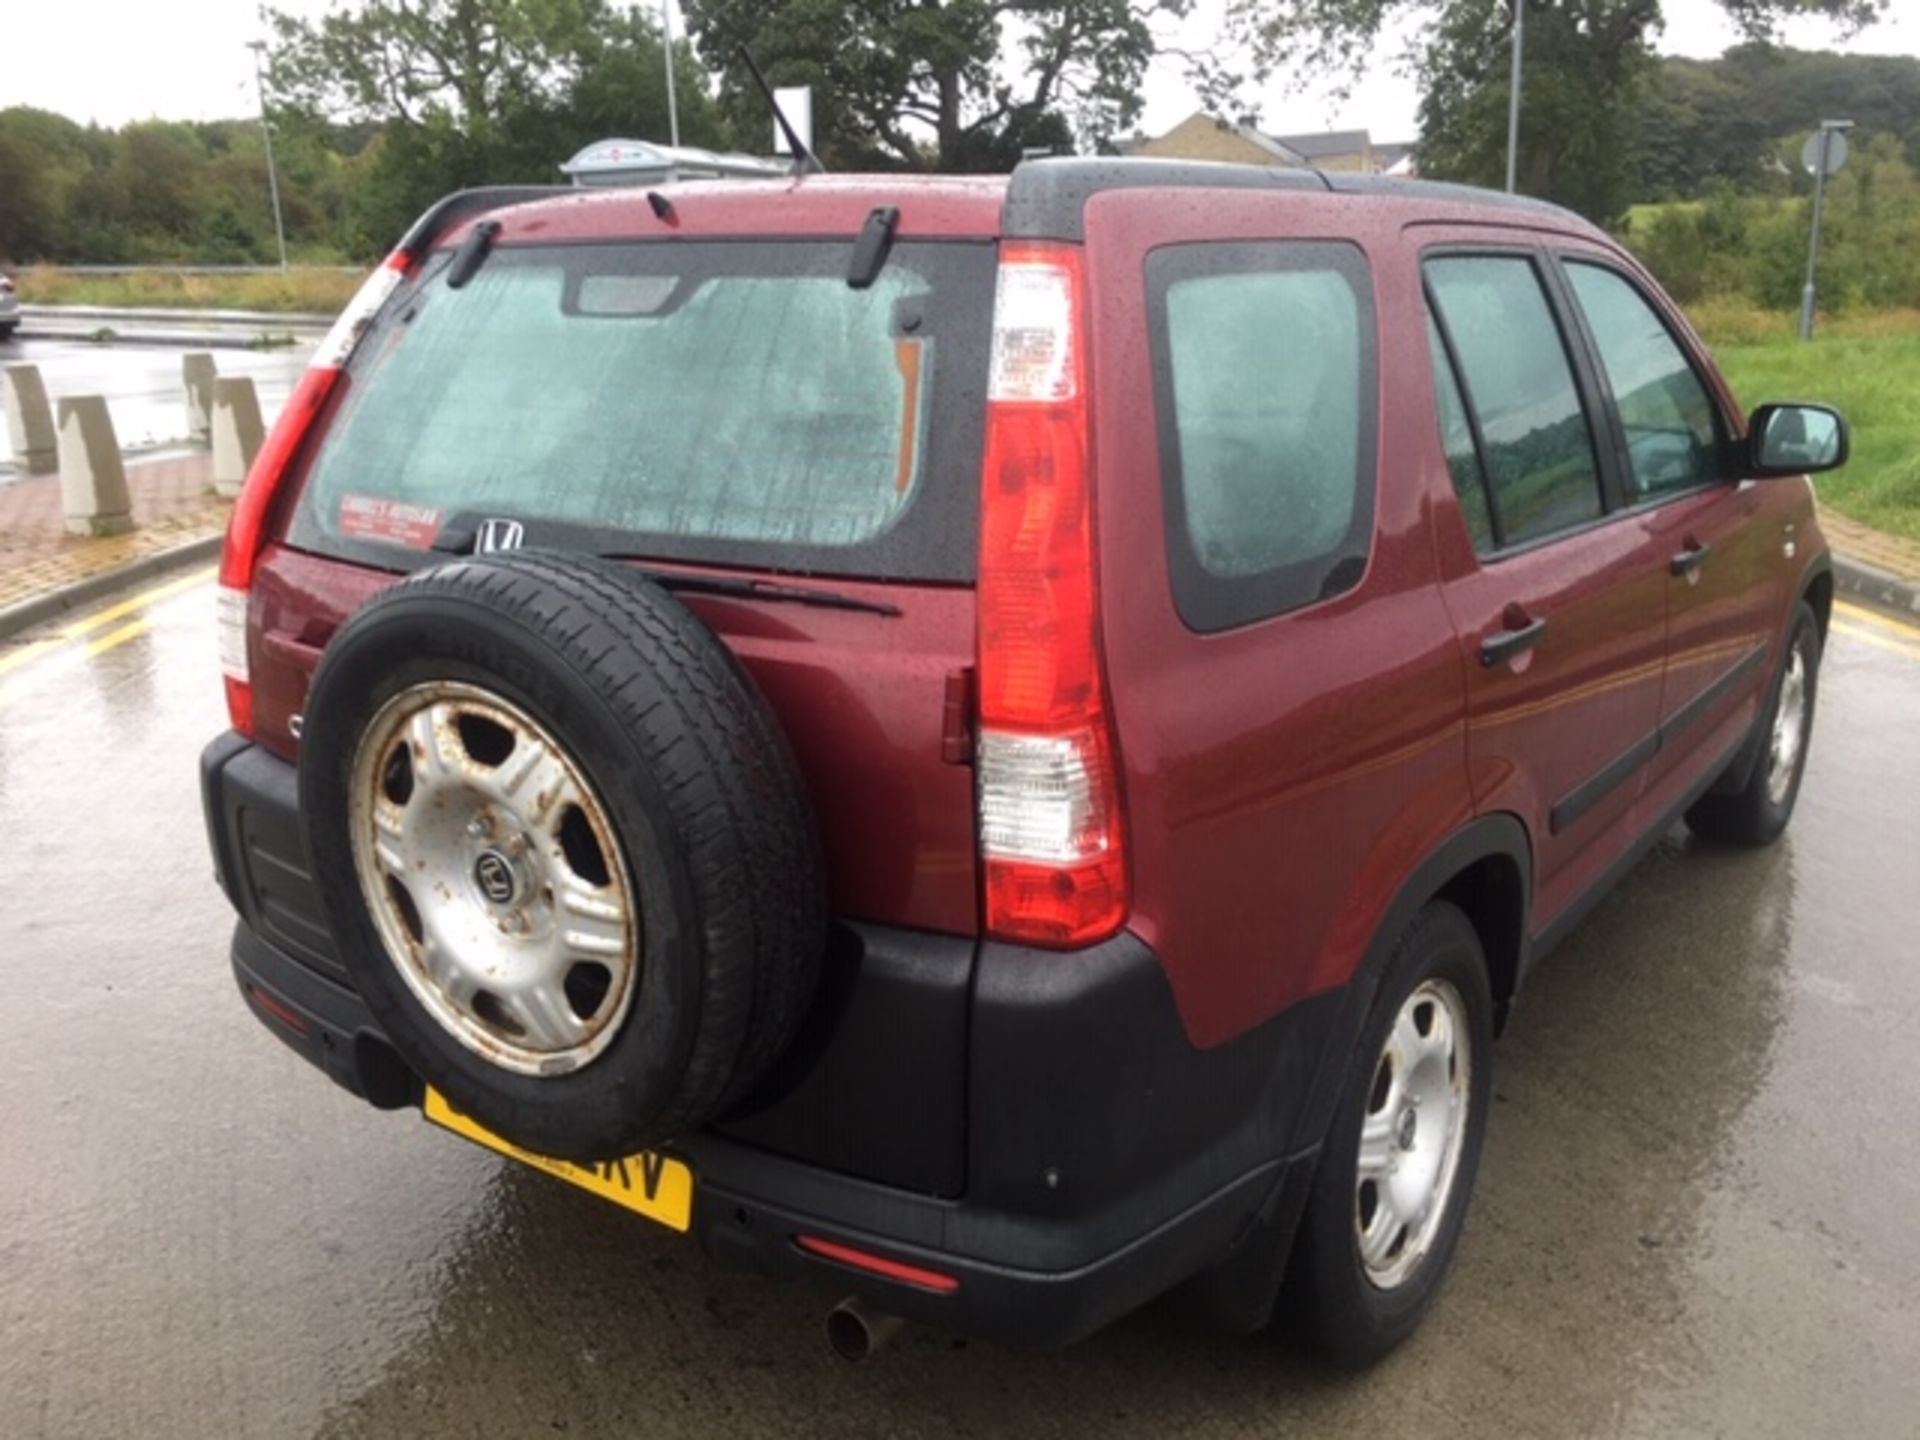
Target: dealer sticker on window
[(650, 1184), (397, 522)]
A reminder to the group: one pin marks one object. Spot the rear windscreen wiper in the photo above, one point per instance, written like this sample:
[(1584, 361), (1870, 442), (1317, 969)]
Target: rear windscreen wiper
[(744, 589), (472, 253), (466, 534)]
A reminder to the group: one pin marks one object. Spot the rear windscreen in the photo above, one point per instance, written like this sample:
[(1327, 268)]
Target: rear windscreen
[(735, 402)]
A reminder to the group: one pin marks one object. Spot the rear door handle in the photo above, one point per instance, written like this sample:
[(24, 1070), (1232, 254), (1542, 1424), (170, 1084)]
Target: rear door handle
[(1686, 561), (1505, 644)]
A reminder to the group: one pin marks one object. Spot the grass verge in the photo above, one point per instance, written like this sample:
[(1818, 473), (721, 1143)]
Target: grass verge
[(317, 291), (1867, 364)]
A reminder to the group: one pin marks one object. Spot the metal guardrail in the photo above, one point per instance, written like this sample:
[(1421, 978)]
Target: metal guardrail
[(179, 316)]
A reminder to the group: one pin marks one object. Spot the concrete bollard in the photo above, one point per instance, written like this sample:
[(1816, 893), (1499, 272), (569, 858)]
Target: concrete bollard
[(93, 482), (36, 446), (198, 374), (237, 432)]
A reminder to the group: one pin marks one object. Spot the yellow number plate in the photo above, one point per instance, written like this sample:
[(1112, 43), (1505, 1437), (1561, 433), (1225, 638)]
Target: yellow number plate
[(650, 1184)]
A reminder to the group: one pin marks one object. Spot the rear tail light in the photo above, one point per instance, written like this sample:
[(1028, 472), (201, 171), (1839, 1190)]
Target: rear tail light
[(247, 529), (1051, 829)]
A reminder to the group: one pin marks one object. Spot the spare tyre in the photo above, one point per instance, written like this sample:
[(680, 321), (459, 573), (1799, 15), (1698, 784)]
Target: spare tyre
[(564, 848)]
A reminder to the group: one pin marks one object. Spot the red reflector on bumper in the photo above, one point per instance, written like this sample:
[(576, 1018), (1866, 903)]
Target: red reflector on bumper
[(878, 1264), (284, 1014)]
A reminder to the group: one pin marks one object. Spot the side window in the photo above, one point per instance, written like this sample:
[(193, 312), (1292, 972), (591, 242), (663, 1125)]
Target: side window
[(1264, 380), (1514, 366), (1456, 438), (1673, 435)]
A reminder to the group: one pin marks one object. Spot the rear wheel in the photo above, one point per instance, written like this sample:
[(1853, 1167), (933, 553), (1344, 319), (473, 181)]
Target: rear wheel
[(1758, 811), (1398, 1165)]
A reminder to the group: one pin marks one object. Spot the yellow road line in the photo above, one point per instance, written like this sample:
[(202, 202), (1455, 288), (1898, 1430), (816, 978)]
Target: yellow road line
[(1878, 640), (1908, 633), (121, 636), (145, 598), (25, 653), (38, 649)]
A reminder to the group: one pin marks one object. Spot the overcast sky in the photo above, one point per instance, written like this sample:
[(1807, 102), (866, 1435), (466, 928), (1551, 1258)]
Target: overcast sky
[(119, 60)]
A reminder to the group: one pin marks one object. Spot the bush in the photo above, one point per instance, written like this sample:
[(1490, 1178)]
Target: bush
[(314, 291), (1754, 247)]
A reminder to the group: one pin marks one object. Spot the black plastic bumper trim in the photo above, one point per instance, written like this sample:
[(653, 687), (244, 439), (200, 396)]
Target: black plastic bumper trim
[(1086, 1156)]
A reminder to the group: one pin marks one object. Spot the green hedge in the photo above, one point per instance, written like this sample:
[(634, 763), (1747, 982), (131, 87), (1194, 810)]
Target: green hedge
[(1754, 248)]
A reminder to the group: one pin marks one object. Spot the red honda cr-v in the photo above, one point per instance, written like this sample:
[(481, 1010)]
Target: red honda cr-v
[(1010, 741)]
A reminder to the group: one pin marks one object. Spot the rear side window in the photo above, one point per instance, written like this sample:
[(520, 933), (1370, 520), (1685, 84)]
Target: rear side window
[(1671, 424), (1265, 381), (727, 401), (1517, 377)]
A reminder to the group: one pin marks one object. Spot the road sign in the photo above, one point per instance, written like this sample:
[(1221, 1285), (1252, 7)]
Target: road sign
[(1823, 154), (1836, 151), (796, 103)]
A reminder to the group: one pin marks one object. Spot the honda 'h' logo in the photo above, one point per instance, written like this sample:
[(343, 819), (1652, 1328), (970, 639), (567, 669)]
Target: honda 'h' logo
[(495, 535)]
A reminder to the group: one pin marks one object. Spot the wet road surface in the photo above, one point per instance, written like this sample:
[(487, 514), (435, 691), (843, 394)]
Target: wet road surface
[(142, 383), (1695, 1214)]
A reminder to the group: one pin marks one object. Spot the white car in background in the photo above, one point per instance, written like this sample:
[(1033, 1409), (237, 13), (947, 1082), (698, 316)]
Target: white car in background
[(9, 309)]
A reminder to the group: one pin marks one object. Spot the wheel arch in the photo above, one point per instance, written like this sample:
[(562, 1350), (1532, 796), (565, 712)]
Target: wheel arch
[(1486, 868), (1817, 590)]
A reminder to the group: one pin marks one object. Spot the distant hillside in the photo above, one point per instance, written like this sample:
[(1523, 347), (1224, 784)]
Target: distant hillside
[(1739, 120)]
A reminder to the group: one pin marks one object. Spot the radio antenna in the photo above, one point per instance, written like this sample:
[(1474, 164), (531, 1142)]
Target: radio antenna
[(805, 162)]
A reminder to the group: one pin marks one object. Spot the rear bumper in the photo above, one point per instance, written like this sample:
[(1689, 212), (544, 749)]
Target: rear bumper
[(1033, 1126)]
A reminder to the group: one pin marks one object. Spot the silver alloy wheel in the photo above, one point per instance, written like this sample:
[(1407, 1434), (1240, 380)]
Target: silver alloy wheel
[(1789, 728), (1412, 1133), (494, 878)]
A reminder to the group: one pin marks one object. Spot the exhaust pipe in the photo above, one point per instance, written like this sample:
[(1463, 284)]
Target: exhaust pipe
[(855, 1330)]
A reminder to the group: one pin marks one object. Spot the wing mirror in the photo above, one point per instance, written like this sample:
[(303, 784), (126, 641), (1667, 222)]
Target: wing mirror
[(1795, 440)]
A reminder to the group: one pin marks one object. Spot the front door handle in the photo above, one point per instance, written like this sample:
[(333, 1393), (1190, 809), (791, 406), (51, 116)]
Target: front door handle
[(1505, 644), (1686, 561)]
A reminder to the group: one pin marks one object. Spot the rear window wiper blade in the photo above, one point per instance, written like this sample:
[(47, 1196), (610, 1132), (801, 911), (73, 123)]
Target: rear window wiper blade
[(748, 589), (461, 536)]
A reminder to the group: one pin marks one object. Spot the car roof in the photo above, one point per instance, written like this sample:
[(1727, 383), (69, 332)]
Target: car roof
[(930, 205), (1041, 199)]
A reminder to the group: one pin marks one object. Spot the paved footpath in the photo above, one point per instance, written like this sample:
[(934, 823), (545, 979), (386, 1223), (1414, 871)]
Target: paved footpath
[(173, 505), (1892, 556)]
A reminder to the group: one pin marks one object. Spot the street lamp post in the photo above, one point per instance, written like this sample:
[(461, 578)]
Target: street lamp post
[(259, 48), (673, 109), (1824, 160), (1513, 93)]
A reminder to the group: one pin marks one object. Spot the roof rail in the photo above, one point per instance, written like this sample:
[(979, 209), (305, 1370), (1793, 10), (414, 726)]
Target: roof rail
[(1046, 198), (1350, 182)]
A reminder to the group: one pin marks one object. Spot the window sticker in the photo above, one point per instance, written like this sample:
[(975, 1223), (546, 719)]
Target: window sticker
[(368, 517)]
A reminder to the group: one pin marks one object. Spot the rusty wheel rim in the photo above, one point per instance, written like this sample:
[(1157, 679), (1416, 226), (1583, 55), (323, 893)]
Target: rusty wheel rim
[(494, 877)]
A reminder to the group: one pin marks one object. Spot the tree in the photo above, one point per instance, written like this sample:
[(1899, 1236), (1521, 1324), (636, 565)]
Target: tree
[(1739, 120), (1587, 67), (1696, 126), (27, 220), (1586, 61), (475, 92), (468, 61), (43, 157), (935, 85)]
